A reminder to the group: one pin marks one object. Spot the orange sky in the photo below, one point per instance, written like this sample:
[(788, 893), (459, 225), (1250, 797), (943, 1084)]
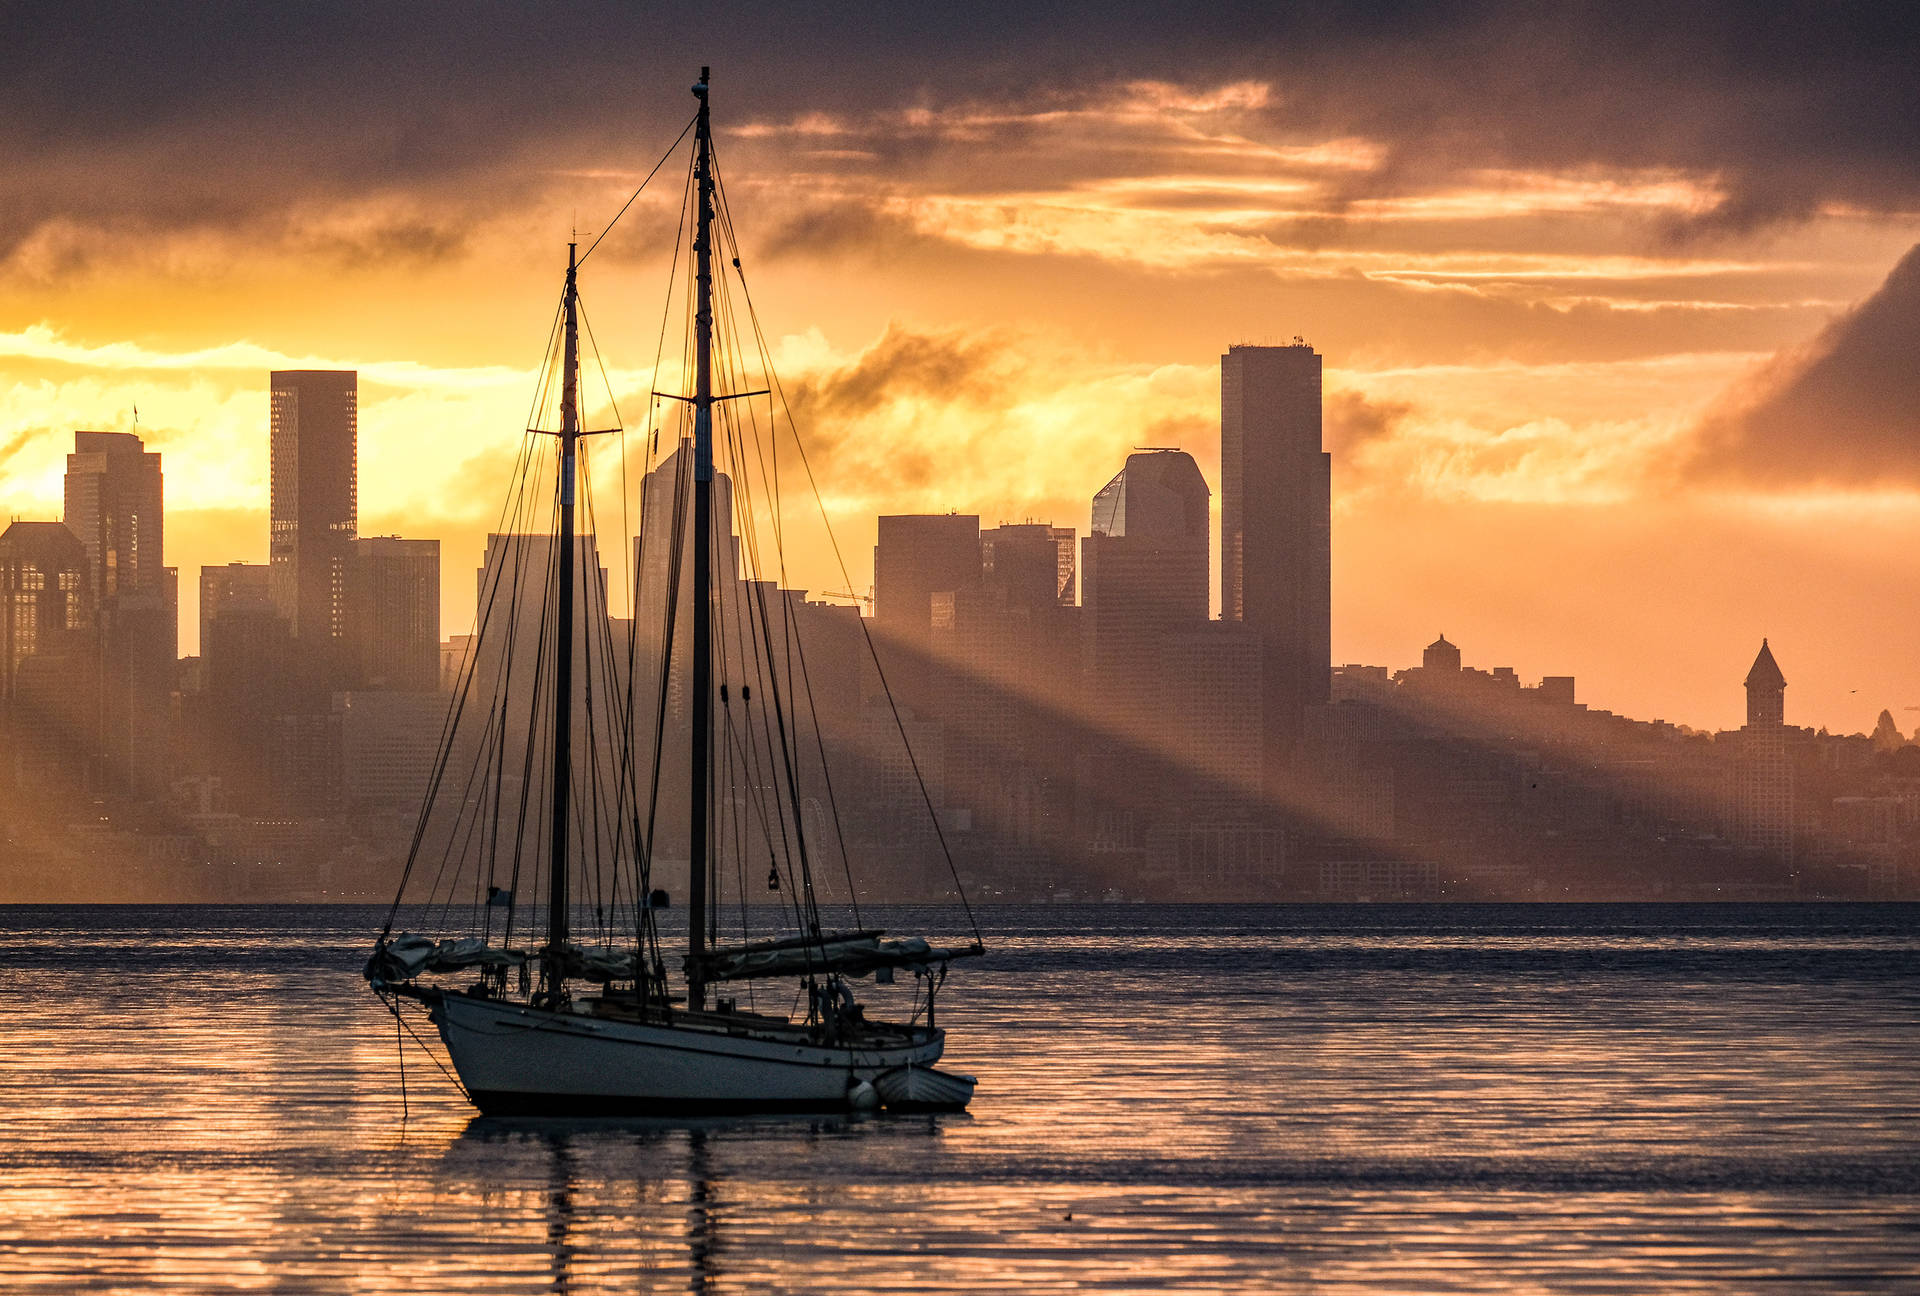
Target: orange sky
[(988, 298)]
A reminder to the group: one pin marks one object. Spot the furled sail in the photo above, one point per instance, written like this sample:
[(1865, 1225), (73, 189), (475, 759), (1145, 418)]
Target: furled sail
[(849, 954), (407, 955)]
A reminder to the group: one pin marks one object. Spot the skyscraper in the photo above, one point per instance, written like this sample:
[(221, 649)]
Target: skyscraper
[(1144, 574), (394, 614), (1763, 773), (234, 585), (918, 556), (1027, 558), (45, 594), (314, 507), (114, 504), (1276, 570), (48, 662)]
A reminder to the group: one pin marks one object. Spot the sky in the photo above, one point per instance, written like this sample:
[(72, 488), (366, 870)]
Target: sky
[(1618, 303)]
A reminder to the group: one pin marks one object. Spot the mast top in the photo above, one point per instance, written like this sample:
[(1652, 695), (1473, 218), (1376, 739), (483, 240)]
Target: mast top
[(700, 86)]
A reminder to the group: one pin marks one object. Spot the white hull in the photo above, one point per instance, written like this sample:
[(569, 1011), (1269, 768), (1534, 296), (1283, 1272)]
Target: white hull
[(920, 1088), (516, 1059)]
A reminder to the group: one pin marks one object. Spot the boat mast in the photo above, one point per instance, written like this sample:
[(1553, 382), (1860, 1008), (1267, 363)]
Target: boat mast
[(702, 557), (557, 899)]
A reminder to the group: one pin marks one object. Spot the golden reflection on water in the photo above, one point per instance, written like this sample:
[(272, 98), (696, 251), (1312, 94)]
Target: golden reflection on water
[(1288, 1108)]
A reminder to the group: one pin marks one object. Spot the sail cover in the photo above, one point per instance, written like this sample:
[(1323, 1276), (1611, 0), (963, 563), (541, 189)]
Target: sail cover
[(407, 956), (855, 954)]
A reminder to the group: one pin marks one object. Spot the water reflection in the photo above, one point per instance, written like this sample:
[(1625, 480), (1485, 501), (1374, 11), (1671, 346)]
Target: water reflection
[(1255, 1100)]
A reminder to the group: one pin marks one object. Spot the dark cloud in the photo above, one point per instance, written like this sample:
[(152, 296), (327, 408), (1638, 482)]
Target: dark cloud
[(212, 113), (903, 364), (1351, 420), (1844, 410)]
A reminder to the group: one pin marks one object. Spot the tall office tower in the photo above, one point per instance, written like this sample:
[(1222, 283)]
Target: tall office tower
[(48, 712), (1031, 561), (1144, 575), (1276, 564), (234, 585), (919, 555), (394, 614), (246, 658), (1026, 557), (315, 509), (1763, 774), (114, 503), (663, 566), (1212, 692)]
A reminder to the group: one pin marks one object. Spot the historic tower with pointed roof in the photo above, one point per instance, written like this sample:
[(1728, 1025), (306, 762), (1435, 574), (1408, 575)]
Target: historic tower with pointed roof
[(1763, 774), (1766, 691)]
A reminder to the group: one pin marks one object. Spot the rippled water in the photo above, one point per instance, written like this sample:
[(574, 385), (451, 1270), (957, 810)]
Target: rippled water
[(1516, 1098)]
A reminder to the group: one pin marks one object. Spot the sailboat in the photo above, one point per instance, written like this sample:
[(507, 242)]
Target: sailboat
[(588, 1020)]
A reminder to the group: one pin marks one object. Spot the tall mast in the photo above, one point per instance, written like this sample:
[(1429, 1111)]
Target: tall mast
[(702, 543), (563, 639)]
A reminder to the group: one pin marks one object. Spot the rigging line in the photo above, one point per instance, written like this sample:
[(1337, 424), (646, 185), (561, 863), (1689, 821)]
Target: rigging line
[(636, 193), (792, 846), (805, 900), (676, 542), (448, 729), (444, 755), (394, 1008), (826, 777), (840, 559), (447, 856), (511, 559), (626, 794)]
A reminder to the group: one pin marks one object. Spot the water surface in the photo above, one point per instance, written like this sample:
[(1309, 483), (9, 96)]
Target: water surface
[(1422, 1098)]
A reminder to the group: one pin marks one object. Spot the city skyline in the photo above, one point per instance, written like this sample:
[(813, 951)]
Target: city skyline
[(1602, 395), (350, 580)]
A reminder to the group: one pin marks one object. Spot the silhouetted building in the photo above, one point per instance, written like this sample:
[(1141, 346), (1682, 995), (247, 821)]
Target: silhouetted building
[(1763, 773), (48, 655), (114, 504), (247, 662), (393, 602), (1276, 564), (1031, 561), (1145, 575), (1441, 657), (314, 507), (389, 741), (232, 585), (1211, 676), (920, 555)]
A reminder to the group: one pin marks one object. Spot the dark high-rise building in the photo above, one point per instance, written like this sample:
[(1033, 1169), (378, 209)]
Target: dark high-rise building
[(48, 660), (1031, 561), (1144, 574), (920, 555), (247, 661), (1763, 772), (1276, 564), (314, 510), (114, 504), (234, 585), (394, 613)]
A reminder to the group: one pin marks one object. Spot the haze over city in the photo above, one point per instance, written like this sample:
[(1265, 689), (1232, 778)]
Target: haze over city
[(1024, 646), (1616, 385)]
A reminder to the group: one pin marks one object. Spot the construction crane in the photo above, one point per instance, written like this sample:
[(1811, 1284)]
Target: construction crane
[(866, 598)]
